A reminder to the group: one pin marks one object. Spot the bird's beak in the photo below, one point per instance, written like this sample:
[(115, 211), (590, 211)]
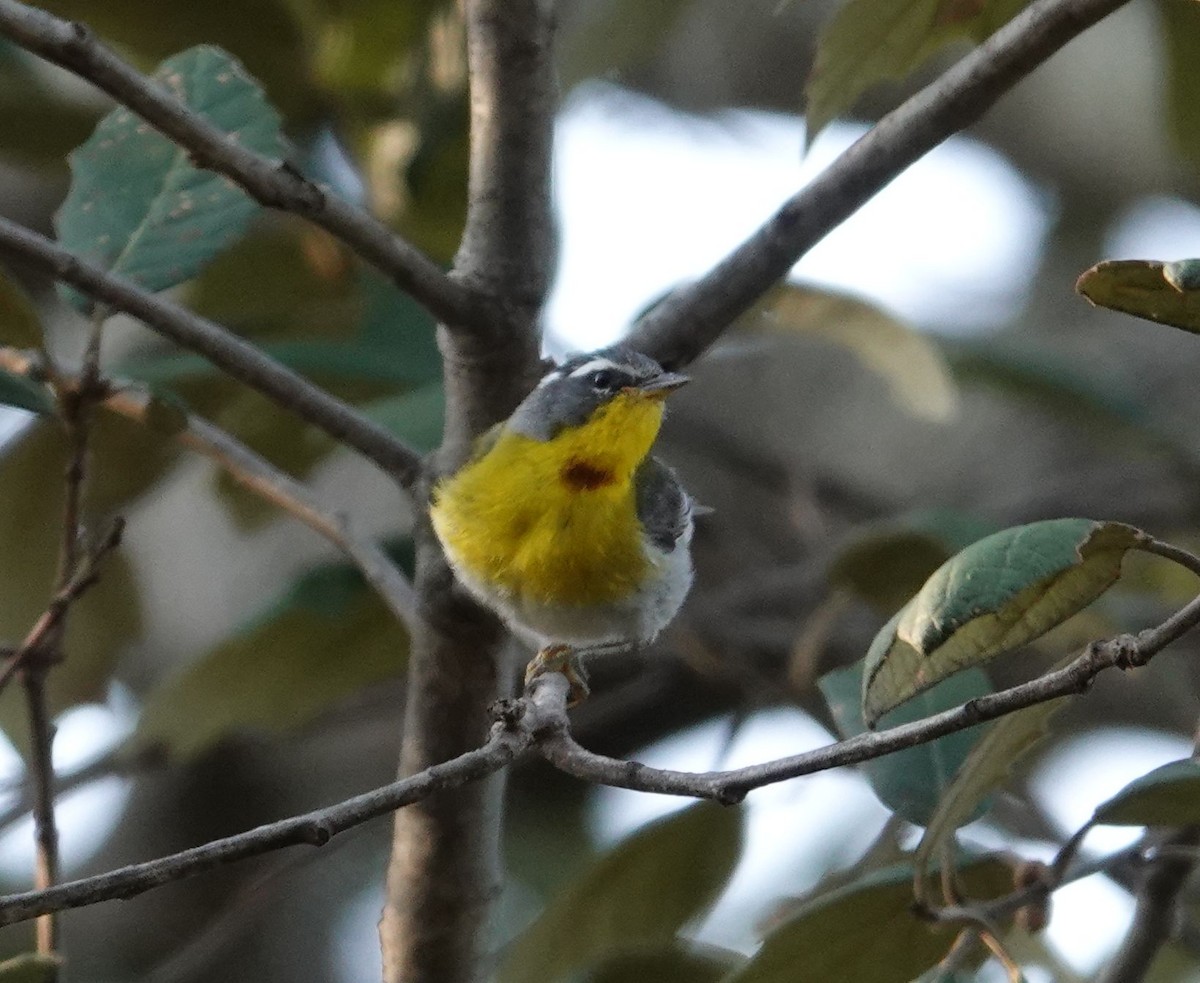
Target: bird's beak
[(663, 384)]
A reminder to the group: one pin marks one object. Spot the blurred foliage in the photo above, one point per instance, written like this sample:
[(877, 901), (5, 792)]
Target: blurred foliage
[(871, 41), (914, 781), (848, 456)]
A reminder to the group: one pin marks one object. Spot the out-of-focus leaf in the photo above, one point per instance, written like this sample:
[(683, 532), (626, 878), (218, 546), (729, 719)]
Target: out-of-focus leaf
[(639, 894), (415, 416), (913, 367), (431, 208), (986, 768), (618, 36), (870, 41), (284, 280), (20, 325), (1141, 287), (994, 596), (328, 638), (278, 435), (138, 206), (676, 964), (32, 967), (264, 35), (865, 932), (24, 394), (41, 124), (1166, 796), (360, 45), (914, 781), (1181, 41), (886, 563), (390, 367), (1175, 963), (108, 616)]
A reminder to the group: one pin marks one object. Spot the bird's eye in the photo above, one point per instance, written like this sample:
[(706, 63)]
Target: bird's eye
[(605, 380)]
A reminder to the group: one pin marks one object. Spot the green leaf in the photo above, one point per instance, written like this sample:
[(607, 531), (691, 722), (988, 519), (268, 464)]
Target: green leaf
[(1142, 288), (986, 768), (914, 781), (32, 967), (638, 894), (676, 964), (20, 325), (996, 595), (1166, 796), (138, 206), (24, 394), (1180, 21), (917, 375), (865, 932), (871, 41), (327, 639), (886, 563)]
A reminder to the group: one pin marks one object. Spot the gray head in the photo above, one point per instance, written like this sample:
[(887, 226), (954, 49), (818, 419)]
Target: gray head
[(569, 394)]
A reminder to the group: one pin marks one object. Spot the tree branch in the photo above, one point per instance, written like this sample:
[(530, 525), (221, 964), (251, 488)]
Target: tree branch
[(273, 183), (690, 319), (241, 360), (314, 828), (538, 722), (444, 873), (261, 477)]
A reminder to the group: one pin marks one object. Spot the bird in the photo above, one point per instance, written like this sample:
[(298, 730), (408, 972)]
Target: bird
[(563, 522)]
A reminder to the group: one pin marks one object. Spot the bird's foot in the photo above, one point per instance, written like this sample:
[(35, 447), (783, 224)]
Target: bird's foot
[(560, 658)]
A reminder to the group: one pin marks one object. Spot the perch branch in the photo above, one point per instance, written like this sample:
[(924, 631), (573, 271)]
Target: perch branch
[(272, 183), (690, 319), (538, 722)]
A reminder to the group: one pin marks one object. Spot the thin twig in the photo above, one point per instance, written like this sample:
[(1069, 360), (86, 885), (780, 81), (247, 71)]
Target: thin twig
[(44, 646), (273, 183), (261, 477), (689, 320), (49, 624), (239, 359)]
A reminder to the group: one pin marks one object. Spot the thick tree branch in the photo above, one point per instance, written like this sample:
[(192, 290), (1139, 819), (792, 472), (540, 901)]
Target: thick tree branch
[(680, 328), (508, 246), (241, 360), (271, 182), (262, 478), (444, 873)]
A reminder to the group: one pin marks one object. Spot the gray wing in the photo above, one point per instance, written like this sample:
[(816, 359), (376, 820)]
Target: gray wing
[(664, 508)]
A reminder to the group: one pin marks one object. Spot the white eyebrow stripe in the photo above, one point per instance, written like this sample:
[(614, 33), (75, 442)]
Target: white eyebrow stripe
[(550, 377), (596, 363)]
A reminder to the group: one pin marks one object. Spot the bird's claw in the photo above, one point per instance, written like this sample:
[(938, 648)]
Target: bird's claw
[(560, 658)]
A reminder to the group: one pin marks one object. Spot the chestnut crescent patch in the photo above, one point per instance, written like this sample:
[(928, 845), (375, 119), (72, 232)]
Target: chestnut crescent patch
[(581, 475)]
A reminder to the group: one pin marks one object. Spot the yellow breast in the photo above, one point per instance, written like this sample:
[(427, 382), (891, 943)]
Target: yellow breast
[(554, 521)]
